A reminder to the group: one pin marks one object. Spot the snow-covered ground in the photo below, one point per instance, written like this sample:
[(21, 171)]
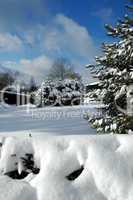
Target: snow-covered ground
[(49, 120), (106, 161), (81, 167)]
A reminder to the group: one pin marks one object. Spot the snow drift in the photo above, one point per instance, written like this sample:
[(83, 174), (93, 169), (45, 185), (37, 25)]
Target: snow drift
[(71, 167)]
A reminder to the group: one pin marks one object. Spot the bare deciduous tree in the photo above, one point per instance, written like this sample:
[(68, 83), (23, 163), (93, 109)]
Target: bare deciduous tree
[(62, 69)]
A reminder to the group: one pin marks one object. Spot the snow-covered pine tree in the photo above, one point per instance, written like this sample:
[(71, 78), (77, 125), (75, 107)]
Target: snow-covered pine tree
[(115, 72)]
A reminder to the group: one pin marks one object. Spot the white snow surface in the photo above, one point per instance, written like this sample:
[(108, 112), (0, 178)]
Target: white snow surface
[(27, 119), (107, 174)]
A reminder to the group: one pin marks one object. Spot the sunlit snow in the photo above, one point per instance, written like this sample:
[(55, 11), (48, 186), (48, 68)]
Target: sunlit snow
[(106, 160)]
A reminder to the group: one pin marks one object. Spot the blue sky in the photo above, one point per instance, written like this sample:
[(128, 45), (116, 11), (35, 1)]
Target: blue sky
[(35, 32)]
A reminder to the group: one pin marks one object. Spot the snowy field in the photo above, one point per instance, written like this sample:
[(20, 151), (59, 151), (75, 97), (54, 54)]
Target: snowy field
[(51, 120), (71, 168), (40, 160)]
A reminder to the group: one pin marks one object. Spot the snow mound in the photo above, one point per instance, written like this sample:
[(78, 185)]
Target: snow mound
[(71, 167)]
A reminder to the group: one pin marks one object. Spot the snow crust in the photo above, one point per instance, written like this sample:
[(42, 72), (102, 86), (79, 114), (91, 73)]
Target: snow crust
[(107, 174)]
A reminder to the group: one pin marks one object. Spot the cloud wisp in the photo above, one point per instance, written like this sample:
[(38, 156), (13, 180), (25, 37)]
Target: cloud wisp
[(105, 14), (10, 43)]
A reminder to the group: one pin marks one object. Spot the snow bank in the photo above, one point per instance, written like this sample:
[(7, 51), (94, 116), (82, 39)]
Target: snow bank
[(106, 161)]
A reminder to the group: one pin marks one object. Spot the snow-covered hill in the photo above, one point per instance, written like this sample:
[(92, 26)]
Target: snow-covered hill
[(71, 167)]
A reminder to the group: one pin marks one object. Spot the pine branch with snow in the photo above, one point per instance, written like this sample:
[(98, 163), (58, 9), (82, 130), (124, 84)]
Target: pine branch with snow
[(115, 73)]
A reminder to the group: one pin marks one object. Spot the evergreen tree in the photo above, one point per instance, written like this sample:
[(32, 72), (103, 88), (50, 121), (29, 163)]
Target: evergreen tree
[(115, 72)]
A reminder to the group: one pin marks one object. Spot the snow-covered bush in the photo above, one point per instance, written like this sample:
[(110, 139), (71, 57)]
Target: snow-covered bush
[(66, 92)]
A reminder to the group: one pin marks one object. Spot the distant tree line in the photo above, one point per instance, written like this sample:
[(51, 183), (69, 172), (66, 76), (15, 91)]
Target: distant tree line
[(5, 80)]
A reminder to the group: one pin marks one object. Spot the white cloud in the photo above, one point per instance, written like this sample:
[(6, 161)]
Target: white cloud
[(64, 34), (36, 67), (60, 37), (10, 42)]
